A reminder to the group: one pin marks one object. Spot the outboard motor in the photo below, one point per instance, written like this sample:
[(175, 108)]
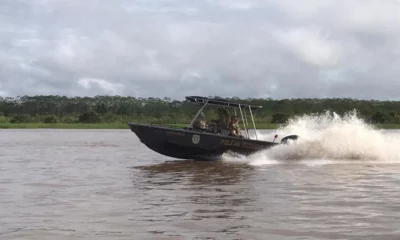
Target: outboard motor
[(290, 137)]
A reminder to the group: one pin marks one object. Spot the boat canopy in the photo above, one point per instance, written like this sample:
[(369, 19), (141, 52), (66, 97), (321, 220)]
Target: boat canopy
[(226, 103), (220, 102)]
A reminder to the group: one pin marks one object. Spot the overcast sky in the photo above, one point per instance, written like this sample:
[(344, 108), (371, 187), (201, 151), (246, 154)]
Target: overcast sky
[(173, 48)]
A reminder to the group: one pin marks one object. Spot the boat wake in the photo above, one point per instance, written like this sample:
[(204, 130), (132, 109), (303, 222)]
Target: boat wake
[(325, 139)]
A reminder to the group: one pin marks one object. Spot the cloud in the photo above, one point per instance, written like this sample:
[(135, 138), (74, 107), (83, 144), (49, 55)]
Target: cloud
[(100, 85), (173, 48), (311, 47)]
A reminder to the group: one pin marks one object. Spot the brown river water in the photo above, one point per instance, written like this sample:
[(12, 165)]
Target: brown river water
[(105, 184)]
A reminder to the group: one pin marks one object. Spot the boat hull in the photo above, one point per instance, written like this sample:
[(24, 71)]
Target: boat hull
[(188, 144)]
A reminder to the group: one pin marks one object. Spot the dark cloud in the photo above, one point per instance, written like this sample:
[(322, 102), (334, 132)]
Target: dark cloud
[(245, 48)]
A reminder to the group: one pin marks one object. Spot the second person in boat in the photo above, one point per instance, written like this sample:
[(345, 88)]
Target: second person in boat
[(234, 129)]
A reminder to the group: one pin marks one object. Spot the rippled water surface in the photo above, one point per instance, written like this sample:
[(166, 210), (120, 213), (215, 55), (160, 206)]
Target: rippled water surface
[(104, 184)]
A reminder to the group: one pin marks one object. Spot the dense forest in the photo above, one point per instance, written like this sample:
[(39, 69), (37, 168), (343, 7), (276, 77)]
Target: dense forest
[(117, 109)]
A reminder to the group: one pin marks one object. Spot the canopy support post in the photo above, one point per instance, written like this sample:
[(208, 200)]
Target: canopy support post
[(247, 123), (254, 125)]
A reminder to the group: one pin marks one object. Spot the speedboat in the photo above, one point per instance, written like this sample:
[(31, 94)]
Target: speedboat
[(205, 143)]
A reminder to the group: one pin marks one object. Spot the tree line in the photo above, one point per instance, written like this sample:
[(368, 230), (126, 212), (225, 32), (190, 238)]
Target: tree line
[(119, 109)]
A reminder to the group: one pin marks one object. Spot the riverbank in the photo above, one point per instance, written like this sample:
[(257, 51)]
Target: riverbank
[(125, 126)]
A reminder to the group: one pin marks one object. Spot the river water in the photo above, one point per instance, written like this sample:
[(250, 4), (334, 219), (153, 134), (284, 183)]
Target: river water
[(104, 184)]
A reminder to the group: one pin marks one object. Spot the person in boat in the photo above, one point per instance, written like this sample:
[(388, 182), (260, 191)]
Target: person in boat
[(233, 127), (222, 122), (200, 122)]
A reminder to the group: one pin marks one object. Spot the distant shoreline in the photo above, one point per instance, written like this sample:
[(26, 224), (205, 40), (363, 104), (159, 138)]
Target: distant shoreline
[(260, 126)]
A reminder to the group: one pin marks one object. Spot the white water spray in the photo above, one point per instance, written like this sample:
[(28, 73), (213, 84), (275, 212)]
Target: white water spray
[(328, 138)]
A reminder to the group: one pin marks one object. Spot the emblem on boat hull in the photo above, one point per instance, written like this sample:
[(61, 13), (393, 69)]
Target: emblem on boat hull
[(195, 139)]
